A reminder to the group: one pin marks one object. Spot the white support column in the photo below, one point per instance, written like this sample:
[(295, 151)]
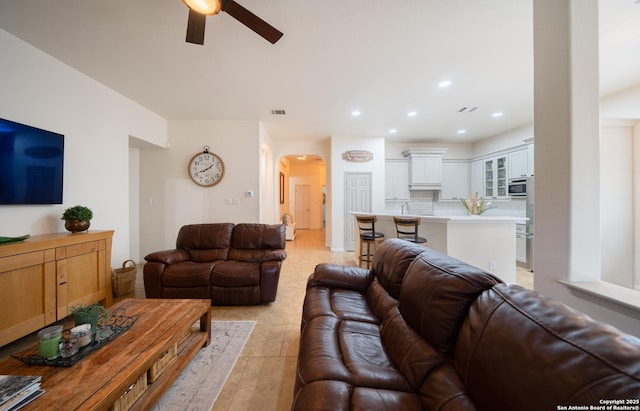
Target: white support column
[(566, 128)]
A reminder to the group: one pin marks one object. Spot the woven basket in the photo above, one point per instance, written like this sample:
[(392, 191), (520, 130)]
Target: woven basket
[(123, 280)]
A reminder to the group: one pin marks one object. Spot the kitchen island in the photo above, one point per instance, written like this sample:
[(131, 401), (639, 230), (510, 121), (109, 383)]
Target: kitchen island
[(486, 242)]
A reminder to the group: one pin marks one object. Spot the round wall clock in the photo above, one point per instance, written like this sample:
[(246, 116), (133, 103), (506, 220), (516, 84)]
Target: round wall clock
[(205, 168)]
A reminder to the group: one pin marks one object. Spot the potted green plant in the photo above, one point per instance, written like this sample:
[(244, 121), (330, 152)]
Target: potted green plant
[(90, 314), (77, 218)]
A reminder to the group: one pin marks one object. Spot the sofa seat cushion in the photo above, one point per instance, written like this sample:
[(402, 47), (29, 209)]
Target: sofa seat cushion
[(235, 274), (540, 348), (338, 395), (410, 353), (338, 303), (443, 390), (187, 274), (348, 351)]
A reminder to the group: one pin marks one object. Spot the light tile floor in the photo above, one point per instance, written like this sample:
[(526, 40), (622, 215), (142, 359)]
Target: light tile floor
[(264, 375)]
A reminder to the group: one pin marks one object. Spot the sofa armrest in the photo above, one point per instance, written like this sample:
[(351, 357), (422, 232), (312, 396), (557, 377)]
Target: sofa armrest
[(168, 256), (278, 255), (340, 276)]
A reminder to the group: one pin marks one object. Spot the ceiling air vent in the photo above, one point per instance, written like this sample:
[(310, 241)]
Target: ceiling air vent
[(278, 112)]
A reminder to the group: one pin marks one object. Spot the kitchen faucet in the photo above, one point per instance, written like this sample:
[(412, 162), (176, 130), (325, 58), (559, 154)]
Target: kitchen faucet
[(406, 203)]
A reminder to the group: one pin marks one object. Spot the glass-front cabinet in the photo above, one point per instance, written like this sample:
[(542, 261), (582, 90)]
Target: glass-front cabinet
[(495, 177)]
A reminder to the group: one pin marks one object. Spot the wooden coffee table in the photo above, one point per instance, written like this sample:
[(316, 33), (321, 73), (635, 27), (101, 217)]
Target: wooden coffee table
[(131, 371)]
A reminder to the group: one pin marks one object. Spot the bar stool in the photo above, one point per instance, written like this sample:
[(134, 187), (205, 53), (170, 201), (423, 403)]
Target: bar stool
[(407, 229), (368, 237)]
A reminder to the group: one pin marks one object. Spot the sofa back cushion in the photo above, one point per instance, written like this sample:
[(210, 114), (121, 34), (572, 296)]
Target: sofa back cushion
[(436, 294), (390, 263), (519, 350), (205, 242), (251, 242)]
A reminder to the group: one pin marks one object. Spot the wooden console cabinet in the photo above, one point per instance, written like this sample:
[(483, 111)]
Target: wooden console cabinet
[(44, 276)]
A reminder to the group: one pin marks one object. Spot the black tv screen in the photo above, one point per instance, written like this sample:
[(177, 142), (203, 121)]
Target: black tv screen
[(31, 164)]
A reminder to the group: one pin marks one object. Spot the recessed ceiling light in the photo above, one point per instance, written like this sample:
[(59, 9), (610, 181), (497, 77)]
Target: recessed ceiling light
[(355, 113), (462, 131), (412, 113), (444, 84), (498, 114), (393, 131)]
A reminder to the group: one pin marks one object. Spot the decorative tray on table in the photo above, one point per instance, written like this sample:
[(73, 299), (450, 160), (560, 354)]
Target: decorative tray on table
[(117, 324)]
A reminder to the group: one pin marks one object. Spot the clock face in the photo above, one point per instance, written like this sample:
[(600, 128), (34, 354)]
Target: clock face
[(206, 169)]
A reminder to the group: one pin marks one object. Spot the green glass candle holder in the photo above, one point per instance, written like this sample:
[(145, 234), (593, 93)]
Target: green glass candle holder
[(49, 342)]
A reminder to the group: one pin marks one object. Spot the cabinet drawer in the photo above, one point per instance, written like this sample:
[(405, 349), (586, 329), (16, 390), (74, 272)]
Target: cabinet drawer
[(78, 249), (15, 262)]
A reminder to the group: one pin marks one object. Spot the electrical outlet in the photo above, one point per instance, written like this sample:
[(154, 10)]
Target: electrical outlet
[(492, 265)]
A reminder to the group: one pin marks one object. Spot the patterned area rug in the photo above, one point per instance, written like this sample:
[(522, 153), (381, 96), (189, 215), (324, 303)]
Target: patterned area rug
[(199, 385)]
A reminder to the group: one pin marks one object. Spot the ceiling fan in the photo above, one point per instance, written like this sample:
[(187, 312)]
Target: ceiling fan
[(200, 9)]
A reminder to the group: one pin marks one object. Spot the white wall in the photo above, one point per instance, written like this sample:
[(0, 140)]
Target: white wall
[(509, 139), (168, 197), (269, 189), (337, 171), (41, 91), (134, 204), (617, 204), (636, 203), (622, 105)]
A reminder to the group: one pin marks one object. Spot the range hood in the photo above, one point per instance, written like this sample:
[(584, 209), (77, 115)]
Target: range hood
[(425, 168)]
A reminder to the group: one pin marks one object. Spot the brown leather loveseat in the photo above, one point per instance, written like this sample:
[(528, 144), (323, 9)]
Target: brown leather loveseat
[(424, 331), (231, 264)]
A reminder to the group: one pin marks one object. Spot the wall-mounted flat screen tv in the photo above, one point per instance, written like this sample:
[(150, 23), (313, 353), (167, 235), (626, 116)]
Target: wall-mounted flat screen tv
[(31, 164)]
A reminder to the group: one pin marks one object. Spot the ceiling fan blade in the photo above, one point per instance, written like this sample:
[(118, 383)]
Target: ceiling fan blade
[(255, 23), (195, 27)]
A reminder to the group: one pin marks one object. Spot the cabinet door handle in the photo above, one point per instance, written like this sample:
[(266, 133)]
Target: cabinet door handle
[(62, 283)]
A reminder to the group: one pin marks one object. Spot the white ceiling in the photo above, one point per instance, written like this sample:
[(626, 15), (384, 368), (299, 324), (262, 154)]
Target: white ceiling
[(379, 57)]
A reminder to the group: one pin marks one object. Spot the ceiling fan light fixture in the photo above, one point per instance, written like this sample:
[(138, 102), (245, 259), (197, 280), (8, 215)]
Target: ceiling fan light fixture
[(207, 7)]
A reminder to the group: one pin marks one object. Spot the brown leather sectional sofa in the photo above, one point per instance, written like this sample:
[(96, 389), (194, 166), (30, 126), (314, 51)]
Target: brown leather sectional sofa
[(423, 331), (231, 264)]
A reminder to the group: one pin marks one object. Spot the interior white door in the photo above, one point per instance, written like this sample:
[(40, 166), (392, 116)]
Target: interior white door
[(357, 197), (302, 208)]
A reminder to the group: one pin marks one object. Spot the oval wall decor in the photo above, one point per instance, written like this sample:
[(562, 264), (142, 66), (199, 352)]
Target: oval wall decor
[(357, 155)]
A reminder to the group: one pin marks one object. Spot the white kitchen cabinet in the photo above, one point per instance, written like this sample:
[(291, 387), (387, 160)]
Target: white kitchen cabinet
[(426, 171), (425, 168), (519, 164), (396, 185), (455, 180), (530, 159), (476, 177), (495, 177)]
